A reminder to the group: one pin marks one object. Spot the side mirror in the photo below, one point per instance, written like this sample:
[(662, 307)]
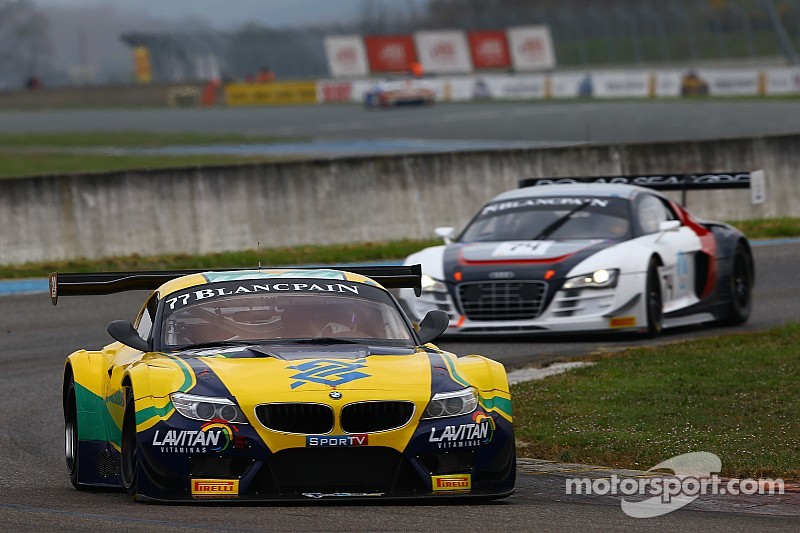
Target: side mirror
[(124, 332), (446, 233), (669, 225), (434, 324)]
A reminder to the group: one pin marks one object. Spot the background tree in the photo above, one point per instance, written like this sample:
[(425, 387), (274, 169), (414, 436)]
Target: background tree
[(24, 44)]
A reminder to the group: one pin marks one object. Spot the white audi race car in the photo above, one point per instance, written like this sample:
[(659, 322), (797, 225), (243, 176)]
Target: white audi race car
[(588, 255)]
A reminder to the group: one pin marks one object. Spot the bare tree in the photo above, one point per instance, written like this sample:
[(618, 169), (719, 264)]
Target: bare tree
[(23, 41)]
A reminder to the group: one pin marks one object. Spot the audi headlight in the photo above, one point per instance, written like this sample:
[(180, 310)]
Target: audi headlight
[(444, 404), (430, 284), (206, 408), (599, 279)]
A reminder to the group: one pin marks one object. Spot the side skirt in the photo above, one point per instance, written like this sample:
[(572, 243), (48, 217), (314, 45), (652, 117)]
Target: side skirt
[(98, 465)]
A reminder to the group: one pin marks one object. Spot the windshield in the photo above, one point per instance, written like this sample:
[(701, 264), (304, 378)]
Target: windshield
[(287, 317), (550, 217)]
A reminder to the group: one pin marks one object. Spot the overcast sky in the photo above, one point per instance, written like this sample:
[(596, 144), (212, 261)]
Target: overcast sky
[(232, 13)]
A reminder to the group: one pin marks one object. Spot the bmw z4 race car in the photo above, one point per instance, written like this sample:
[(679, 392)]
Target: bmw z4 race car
[(587, 257), (262, 385)]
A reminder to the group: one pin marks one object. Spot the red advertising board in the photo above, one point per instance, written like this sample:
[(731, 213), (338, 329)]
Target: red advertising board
[(489, 49), (390, 54), (337, 92)]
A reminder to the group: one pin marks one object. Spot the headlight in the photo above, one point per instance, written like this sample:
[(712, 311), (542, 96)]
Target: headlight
[(599, 279), (430, 284), (205, 408), (456, 403)]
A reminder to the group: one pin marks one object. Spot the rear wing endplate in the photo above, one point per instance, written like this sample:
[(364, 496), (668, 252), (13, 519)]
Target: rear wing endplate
[(72, 284), (672, 182)]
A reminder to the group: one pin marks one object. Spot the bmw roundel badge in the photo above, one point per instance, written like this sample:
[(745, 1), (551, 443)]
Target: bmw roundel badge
[(335, 395)]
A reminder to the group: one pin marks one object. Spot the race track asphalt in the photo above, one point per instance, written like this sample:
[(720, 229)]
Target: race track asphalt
[(551, 122), (36, 495)]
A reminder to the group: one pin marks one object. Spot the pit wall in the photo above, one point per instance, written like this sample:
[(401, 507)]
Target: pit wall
[(202, 210)]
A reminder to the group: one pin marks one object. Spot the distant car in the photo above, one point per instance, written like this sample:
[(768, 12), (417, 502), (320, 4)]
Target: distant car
[(584, 257), (408, 92), (299, 384), (693, 85)]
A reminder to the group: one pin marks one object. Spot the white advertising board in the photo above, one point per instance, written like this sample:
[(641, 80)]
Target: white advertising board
[(630, 84), (731, 82), (531, 48), (783, 81), (347, 56), (443, 52)]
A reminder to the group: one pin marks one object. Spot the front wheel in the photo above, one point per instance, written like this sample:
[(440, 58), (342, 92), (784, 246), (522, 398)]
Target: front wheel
[(71, 448), (741, 288), (653, 300), (129, 451)]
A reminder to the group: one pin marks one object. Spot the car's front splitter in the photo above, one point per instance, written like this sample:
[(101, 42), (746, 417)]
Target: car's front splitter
[(340, 497)]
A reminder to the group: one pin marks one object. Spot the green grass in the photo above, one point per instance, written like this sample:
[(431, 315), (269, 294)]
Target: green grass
[(19, 165), (734, 396), (769, 228), (130, 139), (36, 154), (295, 255)]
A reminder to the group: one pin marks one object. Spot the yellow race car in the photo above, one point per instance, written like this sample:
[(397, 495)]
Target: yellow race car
[(281, 384)]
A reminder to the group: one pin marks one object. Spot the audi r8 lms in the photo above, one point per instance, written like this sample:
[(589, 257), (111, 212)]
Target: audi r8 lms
[(262, 385), (399, 93), (586, 257)]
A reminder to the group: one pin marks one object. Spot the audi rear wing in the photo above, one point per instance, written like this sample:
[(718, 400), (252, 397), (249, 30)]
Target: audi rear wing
[(672, 182), (71, 284)]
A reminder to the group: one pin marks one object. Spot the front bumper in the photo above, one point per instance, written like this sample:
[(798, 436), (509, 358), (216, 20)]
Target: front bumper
[(621, 308), (243, 468)]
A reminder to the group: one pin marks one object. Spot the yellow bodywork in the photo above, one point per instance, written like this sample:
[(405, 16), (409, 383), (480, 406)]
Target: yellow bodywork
[(101, 378)]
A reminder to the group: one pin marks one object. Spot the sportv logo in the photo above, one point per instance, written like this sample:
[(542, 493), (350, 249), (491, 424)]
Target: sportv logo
[(692, 478), (337, 440)]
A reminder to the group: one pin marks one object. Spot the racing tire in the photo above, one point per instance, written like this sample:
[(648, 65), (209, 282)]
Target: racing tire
[(129, 452), (654, 303), (741, 287), (71, 448)]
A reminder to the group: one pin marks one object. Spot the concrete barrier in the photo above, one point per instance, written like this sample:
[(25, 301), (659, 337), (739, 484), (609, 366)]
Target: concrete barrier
[(202, 210)]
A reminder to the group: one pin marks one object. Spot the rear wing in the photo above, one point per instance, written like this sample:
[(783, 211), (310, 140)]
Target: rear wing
[(754, 181), (69, 284)]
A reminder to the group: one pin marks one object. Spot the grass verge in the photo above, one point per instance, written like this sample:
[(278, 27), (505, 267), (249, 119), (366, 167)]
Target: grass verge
[(294, 255), (130, 139), (733, 396), (769, 228), (36, 154), (17, 165)]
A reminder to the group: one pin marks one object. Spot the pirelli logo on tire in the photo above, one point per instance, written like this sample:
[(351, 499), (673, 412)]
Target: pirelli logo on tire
[(215, 488), (452, 483)]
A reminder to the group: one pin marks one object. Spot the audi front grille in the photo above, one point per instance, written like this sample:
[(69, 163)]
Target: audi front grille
[(502, 300)]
